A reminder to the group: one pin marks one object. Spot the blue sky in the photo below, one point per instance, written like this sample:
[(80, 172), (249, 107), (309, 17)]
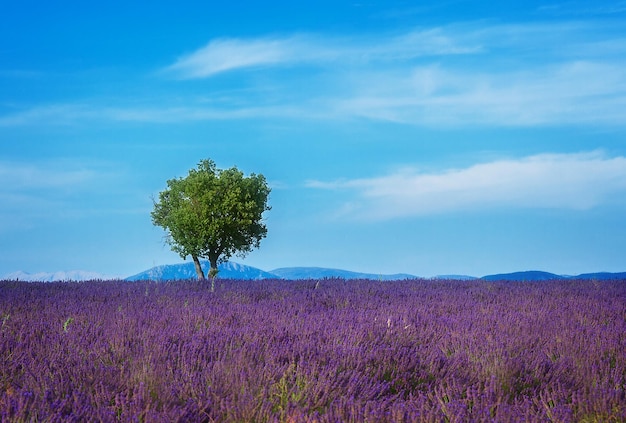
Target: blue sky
[(459, 137)]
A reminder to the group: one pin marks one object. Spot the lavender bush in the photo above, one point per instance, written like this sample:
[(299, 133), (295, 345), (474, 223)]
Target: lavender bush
[(313, 351)]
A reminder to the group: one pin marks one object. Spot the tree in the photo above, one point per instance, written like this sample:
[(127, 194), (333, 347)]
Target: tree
[(213, 214)]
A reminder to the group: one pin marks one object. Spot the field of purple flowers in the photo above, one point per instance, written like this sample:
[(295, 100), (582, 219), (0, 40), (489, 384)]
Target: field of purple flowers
[(313, 351)]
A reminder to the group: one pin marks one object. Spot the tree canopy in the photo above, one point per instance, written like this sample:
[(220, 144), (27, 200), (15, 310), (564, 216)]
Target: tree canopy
[(213, 214)]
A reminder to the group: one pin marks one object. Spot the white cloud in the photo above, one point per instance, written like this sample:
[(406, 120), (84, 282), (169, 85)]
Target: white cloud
[(457, 75), (228, 54), (57, 114), (563, 181), (428, 42), (526, 41), (516, 75), (225, 54), (569, 93), (80, 114), (26, 176), (30, 192)]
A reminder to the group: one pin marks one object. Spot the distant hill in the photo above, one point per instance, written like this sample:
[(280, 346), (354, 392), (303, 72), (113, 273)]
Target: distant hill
[(232, 270), (456, 277), (601, 275), (536, 275), (187, 270), (530, 275), (322, 272), (70, 275)]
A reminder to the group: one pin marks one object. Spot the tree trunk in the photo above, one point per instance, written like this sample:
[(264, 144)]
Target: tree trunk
[(213, 272), (199, 270)]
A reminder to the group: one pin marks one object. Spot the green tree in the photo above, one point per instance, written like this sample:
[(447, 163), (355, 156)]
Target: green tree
[(213, 214)]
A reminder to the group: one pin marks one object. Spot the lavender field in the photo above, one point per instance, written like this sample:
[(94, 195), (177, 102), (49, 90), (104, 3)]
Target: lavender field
[(313, 351)]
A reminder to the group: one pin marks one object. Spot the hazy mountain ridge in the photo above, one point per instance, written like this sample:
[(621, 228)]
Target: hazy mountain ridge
[(456, 277), (322, 272), (529, 275), (537, 275), (233, 270), (602, 275), (187, 270), (70, 275)]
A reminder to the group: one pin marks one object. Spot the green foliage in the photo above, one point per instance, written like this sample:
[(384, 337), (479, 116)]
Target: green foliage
[(291, 389), (67, 324), (213, 213)]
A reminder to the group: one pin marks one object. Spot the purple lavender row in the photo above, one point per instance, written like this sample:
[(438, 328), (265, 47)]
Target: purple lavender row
[(324, 351)]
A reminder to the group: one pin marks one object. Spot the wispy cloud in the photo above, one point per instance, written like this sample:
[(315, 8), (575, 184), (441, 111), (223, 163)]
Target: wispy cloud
[(584, 8), (577, 181), (52, 189), (57, 114), (60, 175), (523, 74), (451, 76), (572, 93), (78, 114), (228, 54), (536, 41), (569, 93), (30, 192)]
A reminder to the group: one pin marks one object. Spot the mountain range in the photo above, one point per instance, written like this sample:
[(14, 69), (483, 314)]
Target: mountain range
[(322, 272), (187, 270), (232, 270), (536, 275), (71, 275)]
